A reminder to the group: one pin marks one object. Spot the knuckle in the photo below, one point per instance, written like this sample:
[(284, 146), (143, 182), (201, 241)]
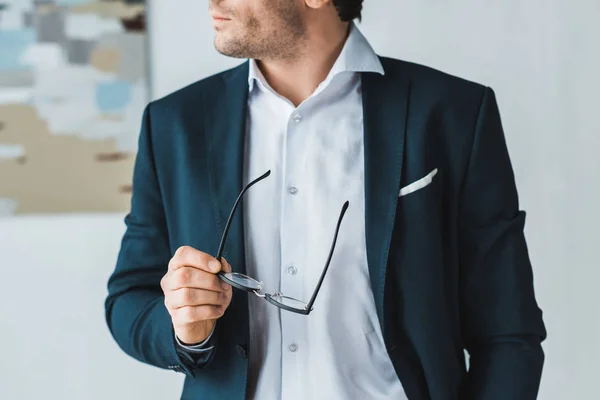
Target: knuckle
[(169, 302), (227, 298), (182, 252), (219, 311), (203, 313), (172, 262), (214, 283), (184, 276), (211, 312), (188, 314), (187, 296), (177, 319)]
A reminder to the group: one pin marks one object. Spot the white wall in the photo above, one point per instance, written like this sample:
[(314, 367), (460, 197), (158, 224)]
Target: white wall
[(541, 58), (54, 343)]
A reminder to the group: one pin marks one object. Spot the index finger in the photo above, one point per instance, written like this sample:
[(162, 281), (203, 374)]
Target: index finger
[(187, 256)]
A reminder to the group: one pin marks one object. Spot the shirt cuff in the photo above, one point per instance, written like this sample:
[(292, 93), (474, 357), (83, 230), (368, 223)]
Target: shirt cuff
[(200, 347)]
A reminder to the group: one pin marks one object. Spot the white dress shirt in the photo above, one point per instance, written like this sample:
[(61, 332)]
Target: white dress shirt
[(316, 156)]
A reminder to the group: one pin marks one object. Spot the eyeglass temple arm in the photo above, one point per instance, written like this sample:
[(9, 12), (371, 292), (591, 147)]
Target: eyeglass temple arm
[(237, 202), (337, 229)]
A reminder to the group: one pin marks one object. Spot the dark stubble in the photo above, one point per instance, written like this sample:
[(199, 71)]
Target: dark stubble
[(275, 36)]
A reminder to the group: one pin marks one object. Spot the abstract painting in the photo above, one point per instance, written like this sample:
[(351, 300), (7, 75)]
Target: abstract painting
[(73, 86)]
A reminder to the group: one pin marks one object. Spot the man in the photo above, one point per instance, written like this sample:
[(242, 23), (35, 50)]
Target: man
[(430, 258)]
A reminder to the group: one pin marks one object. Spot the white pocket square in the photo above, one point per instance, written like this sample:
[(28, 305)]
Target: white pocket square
[(420, 184)]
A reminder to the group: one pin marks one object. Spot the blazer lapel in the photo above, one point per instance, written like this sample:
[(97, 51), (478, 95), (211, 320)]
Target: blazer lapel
[(385, 104), (225, 131)]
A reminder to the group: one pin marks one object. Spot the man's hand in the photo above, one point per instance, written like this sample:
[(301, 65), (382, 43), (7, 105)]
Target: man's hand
[(194, 295)]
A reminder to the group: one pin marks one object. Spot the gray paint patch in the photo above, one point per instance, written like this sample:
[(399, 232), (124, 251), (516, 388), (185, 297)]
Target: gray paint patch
[(16, 78), (7, 207), (28, 20), (132, 50), (78, 51), (50, 26)]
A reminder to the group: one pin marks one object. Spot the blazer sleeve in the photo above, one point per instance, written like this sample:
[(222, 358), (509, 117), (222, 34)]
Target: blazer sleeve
[(134, 308), (501, 323)]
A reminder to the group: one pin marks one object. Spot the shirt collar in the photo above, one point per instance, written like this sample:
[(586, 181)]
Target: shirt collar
[(357, 56)]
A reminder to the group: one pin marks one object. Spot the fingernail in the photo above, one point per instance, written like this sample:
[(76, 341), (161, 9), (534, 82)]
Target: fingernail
[(214, 265)]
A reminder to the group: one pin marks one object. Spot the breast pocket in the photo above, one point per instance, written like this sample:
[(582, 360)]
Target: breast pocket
[(419, 184), (420, 199)]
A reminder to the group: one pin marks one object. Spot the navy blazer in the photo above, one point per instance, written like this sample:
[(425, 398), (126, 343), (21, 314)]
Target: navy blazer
[(449, 265)]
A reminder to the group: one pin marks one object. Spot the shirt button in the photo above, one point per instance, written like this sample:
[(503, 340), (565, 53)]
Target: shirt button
[(292, 270), (292, 190), (293, 347), (297, 118)]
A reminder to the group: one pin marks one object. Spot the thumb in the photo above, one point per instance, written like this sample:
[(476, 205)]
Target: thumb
[(225, 265)]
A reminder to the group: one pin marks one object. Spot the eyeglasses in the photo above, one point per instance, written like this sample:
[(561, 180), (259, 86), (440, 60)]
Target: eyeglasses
[(251, 285)]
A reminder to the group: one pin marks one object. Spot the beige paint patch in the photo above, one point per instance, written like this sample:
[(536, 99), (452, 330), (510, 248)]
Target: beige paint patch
[(132, 50), (111, 117), (105, 59), (46, 8), (110, 9), (61, 173)]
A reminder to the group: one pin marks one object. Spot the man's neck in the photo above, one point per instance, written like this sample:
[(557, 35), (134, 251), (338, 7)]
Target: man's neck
[(297, 78)]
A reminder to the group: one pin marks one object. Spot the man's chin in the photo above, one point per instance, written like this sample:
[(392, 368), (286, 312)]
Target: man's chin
[(228, 50), (229, 53)]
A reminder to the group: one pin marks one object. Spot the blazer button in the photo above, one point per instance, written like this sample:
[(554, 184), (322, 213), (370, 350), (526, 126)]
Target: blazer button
[(241, 351)]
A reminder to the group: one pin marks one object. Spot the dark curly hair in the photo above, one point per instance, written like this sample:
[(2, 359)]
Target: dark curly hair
[(348, 10)]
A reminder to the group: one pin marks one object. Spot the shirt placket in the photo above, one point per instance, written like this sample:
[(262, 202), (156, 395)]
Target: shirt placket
[(293, 272)]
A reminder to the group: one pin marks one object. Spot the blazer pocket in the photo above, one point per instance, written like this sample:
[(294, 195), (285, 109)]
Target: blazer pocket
[(417, 185)]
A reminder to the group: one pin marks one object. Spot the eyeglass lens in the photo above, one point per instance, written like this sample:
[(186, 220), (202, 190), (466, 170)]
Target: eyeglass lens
[(241, 281), (289, 302)]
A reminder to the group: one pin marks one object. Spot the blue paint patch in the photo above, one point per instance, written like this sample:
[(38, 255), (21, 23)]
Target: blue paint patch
[(13, 44), (113, 96)]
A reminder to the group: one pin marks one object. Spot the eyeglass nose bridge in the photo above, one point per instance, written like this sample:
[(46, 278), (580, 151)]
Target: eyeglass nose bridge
[(256, 292)]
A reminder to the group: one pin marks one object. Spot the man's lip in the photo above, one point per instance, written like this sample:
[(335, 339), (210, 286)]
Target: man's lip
[(219, 17)]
